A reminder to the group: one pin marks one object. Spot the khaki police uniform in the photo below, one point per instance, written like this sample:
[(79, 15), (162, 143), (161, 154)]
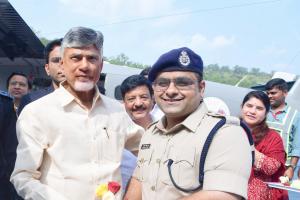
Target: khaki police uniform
[(227, 166)]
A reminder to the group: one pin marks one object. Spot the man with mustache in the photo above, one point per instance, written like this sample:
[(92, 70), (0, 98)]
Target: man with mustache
[(71, 141), (169, 156), (137, 95), (286, 121)]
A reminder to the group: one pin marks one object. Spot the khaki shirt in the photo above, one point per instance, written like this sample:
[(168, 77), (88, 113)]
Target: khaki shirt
[(65, 151), (227, 166)]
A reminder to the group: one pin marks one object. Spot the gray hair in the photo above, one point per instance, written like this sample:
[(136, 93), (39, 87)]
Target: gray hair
[(79, 37)]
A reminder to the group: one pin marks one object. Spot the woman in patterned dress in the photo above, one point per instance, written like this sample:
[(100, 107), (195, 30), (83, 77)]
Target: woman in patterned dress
[(269, 151)]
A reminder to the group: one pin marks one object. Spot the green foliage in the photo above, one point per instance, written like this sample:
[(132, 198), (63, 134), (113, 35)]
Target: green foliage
[(237, 76), (122, 59), (213, 72), (44, 41)]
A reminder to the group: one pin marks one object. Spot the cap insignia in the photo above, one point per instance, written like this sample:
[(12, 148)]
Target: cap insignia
[(184, 58)]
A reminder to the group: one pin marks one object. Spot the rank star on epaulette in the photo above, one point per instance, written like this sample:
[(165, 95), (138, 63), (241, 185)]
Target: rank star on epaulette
[(184, 58)]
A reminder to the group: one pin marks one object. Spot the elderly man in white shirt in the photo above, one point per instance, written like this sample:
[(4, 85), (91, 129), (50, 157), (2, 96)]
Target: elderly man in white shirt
[(71, 140)]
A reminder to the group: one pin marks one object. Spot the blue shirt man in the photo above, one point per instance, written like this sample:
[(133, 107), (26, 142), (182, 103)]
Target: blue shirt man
[(290, 118), (137, 95), (286, 121)]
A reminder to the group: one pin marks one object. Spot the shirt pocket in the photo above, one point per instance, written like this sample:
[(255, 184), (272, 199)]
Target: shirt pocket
[(144, 163), (111, 145), (183, 169)]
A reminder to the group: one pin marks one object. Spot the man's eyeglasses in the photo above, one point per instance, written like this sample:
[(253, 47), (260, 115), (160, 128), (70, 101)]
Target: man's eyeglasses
[(181, 83)]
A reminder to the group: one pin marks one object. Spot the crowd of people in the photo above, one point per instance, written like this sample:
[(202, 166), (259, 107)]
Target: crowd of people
[(69, 141)]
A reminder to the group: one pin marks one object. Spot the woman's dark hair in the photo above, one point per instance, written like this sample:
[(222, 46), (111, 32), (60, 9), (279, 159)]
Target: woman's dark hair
[(261, 129)]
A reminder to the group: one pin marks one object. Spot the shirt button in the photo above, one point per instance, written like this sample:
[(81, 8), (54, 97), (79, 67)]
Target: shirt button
[(158, 161), (153, 188)]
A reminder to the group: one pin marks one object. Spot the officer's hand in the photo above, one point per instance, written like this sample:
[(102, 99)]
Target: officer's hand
[(289, 172)]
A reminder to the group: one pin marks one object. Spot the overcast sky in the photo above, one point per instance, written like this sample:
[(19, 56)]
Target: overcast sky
[(263, 34)]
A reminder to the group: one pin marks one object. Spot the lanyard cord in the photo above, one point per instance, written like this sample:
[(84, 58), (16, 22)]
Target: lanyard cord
[(204, 154)]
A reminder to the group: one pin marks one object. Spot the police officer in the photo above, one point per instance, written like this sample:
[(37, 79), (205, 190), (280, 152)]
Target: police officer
[(169, 155), (8, 145)]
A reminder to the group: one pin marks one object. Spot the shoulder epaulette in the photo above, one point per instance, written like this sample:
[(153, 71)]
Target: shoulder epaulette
[(229, 119), (233, 120), (214, 114)]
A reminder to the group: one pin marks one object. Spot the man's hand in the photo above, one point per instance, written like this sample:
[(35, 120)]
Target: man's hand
[(289, 172), (134, 191)]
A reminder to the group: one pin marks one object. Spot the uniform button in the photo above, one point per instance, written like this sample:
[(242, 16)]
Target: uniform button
[(158, 161), (153, 188)]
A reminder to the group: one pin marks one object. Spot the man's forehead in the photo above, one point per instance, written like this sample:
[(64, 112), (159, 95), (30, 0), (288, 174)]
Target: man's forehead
[(141, 89), (18, 77), (274, 89), (55, 50)]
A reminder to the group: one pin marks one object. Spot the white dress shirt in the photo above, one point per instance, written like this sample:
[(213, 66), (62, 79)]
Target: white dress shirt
[(65, 151)]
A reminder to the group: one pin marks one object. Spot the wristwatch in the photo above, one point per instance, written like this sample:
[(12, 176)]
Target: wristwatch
[(292, 166)]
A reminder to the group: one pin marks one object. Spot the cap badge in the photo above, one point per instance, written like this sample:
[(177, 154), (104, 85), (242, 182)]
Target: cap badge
[(184, 58)]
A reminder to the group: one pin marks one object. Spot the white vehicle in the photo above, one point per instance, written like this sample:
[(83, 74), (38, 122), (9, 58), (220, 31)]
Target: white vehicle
[(232, 96), (113, 75)]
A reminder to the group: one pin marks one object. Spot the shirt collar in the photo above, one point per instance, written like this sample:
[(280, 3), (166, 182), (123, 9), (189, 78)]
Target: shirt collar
[(284, 110), (191, 122), (67, 98)]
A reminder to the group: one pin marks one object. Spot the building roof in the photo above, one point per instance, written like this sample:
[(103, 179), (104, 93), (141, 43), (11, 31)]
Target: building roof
[(17, 40)]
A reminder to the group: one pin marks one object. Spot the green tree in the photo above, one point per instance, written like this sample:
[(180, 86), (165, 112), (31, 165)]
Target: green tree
[(44, 40), (122, 59), (255, 71), (240, 70)]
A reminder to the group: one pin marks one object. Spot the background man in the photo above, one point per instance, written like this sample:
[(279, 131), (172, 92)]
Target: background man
[(8, 145), (17, 85), (53, 69), (156, 113), (71, 140), (137, 94), (286, 121), (179, 137)]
